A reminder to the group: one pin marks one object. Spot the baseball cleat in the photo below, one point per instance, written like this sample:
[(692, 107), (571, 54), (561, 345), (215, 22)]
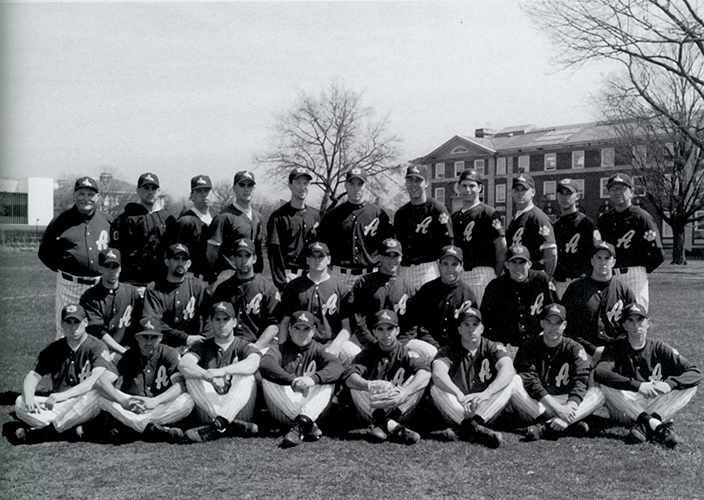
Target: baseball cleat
[(446, 435), (240, 428), (291, 439), (664, 435), (487, 437), (21, 435), (161, 433), (377, 435), (535, 432), (579, 429), (403, 435), (204, 433), (637, 434), (313, 434)]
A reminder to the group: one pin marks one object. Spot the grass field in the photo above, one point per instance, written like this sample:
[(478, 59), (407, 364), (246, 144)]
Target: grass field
[(601, 466)]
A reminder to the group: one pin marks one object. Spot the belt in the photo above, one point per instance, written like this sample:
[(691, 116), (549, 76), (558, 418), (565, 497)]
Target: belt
[(80, 280)]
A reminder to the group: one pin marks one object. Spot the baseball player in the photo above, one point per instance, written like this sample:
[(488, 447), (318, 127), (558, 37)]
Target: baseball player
[(514, 301), (74, 363), (192, 226), (71, 245), (321, 294), (645, 381), (423, 228), (552, 385), (382, 289), (178, 300), (531, 228), (298, 380), (437, 305), (595, 303), (138, 233), (354, 231), (387, 381), (632, 231), (479, 233), (254, 299), (113, 309), (152, 393), (238, 220), (290, 229), (220, 377), (575, 234), (472, 380)]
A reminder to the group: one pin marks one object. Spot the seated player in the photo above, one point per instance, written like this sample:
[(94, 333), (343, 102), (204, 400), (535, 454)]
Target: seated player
[(552, 385), (472, 379), (74, 363), (645, 381), (113, 309), (152, 392), (220, 377), (298, 380), (387, 381)]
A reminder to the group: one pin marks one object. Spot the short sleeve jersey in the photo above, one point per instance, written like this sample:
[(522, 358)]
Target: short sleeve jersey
[(113, 312), (635, 237), (423, 230), (574, 234), (533, 230), (148, 376), (473, 372), (283, 363), (475, 231), (211, 355), (69, 368), (396, 366), (179, 306)]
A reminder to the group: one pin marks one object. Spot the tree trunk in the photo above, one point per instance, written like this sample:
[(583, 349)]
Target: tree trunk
[(678, 235)]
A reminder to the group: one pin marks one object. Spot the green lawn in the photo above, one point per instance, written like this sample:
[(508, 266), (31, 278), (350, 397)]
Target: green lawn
[(597, 467)]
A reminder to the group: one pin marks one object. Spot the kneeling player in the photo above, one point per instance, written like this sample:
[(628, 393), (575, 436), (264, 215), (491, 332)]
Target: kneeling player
[(552, 385), (298, 380), (387, 381), (472, 379), (220, 377), (152, 393), (645, 381), (75, 363)]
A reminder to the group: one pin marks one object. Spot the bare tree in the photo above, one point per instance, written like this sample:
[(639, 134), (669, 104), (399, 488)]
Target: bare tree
[(222, 195), (328, 134)]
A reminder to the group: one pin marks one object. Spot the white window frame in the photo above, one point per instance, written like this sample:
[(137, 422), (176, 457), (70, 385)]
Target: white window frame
[(439, 170), (500, 193), (479, 166), (550, 162), (638, 187), (608, 157), (576, 164), (439, 194), (603, 192), (459, 167), (580, 187), (501, 166), (550, 190), (524, 163)]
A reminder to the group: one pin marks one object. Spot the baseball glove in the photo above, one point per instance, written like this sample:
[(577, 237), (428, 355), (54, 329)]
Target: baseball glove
[(383, 393)]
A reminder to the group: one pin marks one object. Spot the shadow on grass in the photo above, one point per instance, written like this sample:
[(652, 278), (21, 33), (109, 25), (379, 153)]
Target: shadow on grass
[(8, 398)]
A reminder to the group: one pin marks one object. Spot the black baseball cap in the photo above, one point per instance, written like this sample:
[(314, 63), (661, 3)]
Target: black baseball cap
[(73, 311), (356, 173), (634, 309), (109, 255), (417, 171), (385, 317), (223, 307), (149, 325), (525, 180), (568, 184), (201, 181), (318, 247), (299, 172), (470, 175), (619, 179), (87, 183), (468, 312), (244, 175), (452, 251), (148, 178), (555, 310), (176, 249), (304, 318), (390, 245), (518, 251), (603, 245)]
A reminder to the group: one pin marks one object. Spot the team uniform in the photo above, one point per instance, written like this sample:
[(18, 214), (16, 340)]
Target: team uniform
[(574, 235), (622, 370), (67, 368), (139, 236), (231, 225), (149, 377), (638, 247), (423, 230), (511, 310), (354, 234), (70, 247), (532, 229), (289, 231), (475, 230), (179, 306), (282, 364), (594, 310), (255, 301), (190, 229)]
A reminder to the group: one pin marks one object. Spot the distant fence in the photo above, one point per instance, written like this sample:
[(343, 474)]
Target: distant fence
[(20, 237)]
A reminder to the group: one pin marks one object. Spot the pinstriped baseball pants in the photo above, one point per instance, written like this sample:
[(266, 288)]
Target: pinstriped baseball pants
[(454, 412), (285, 404), (65, 414), (625, 406), (164, 414)]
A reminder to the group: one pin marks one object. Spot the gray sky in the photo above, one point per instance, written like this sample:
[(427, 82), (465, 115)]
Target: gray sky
[(187, 88)]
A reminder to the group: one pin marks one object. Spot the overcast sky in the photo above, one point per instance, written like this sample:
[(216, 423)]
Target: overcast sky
[(187, 88)]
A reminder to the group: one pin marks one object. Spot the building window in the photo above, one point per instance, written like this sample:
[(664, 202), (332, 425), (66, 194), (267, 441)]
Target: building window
[(550, 161), (440, 195), (580, 187), (666, 231), (603, 192), (501, 193), (524, 163), (439, 170), (479, 166), (638, 186), (459, 150), (459, 167), (501, 166), (577, 159), (607, 157), (549, 189)]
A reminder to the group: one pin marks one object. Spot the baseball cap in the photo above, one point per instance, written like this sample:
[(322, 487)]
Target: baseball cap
[(176, 249), (602, 245), (224, 307), (417, 171), (318, 247), (244, 175), (243, 244), (109, 255), (634, 309), (390, 245), (149, 325), (568, 184), (470, 175), (298, 172), (525, 180), (518, 251), (201, 181), (86, 182), (73, 311), (356, 173), (148, 178), (452, 251), (555, 310), (619, 179), (304, 318), (385, 317), (469, 312)]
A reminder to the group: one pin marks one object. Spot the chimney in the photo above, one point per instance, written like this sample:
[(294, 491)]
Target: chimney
[(480, 133)]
